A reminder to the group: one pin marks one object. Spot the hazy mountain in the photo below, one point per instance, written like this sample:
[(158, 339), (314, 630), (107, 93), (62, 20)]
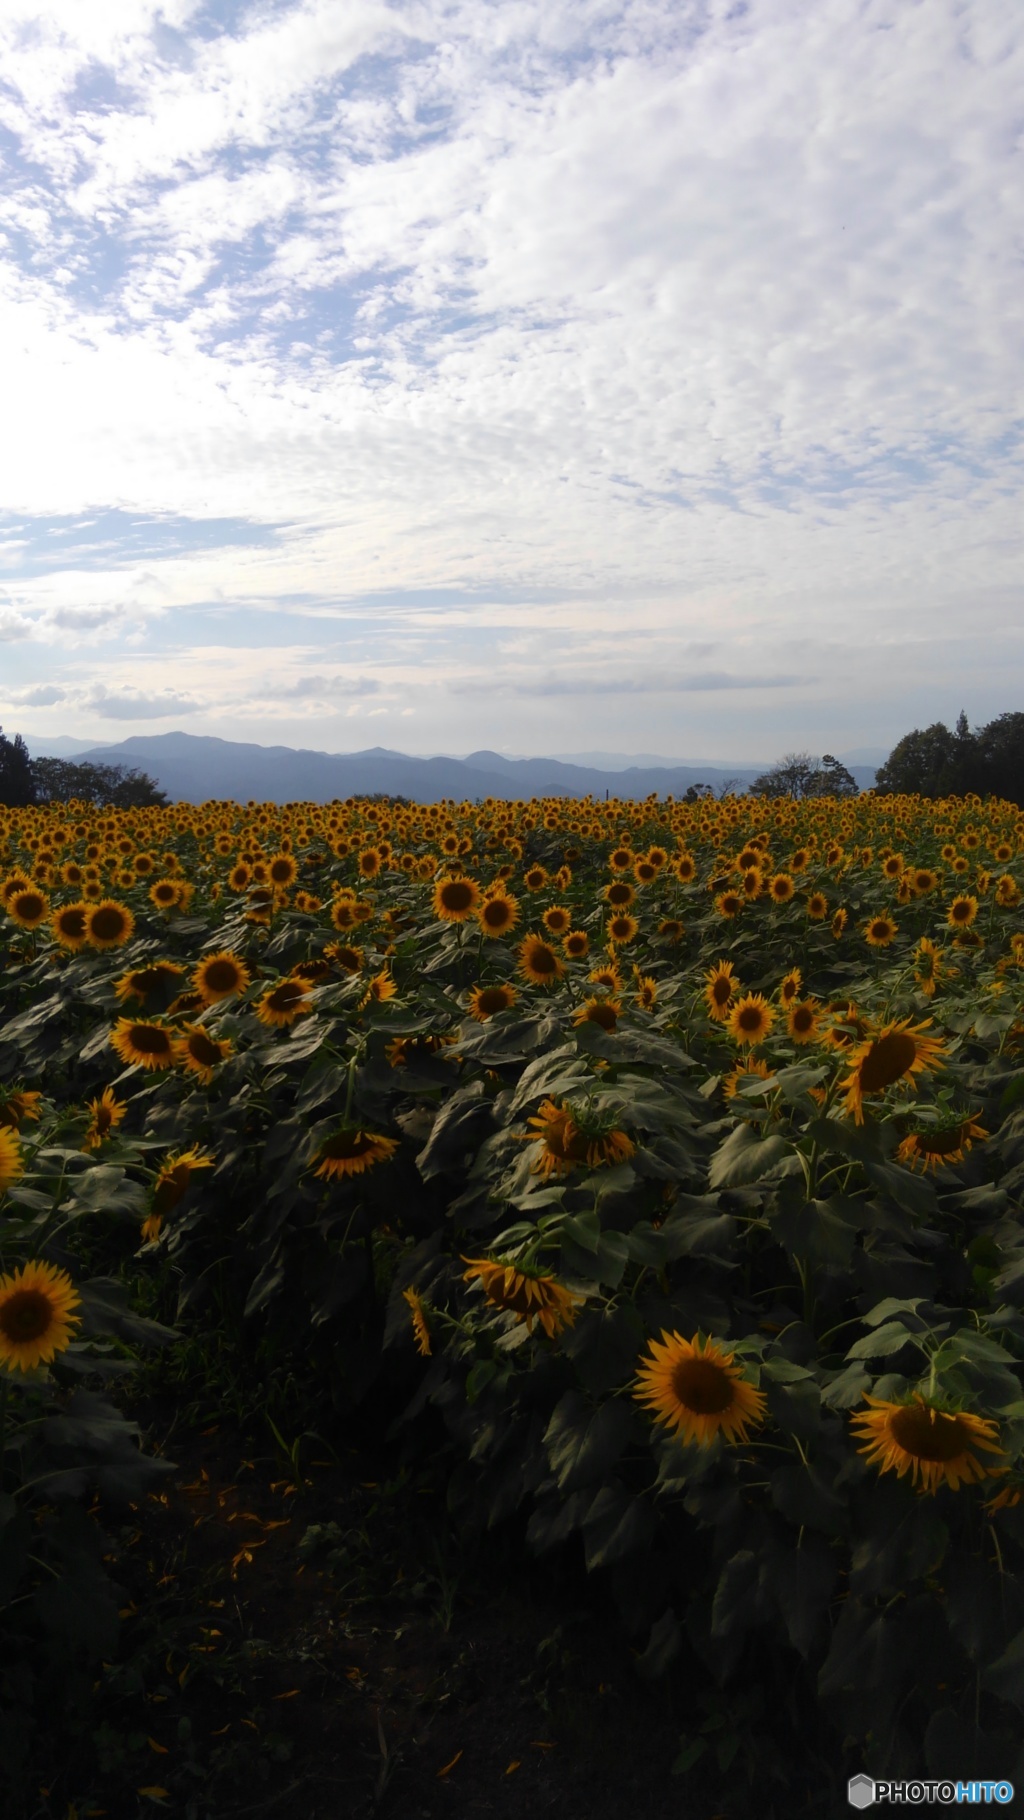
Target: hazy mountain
[(195, 768), (62, 746)]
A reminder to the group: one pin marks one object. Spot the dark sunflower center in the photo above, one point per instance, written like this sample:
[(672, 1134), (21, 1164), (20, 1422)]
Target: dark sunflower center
[(887, 1061), (346, 1145), (803, 1019), (605, 1015), (26, 1315), (29, 904), (750, 1018), (721, 991), (496, 913), (202, 1049), (458, 895), (928, 1434), (961, 913), (106, 925), (702, 1387), (619, 894), (492, 998), (287, 996), (149, 1040), (542, 960), (72, 923)]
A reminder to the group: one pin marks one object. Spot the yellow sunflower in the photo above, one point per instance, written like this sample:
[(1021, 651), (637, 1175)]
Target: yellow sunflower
[(109, 924), (879, 931), (37, 1315), (421, 1331), (803, 1022), (896, 1052), (781, 888), (694, 1388), (839, 922), (601, 1011), (576, 944), (572, 1137), (750, 1069), (200, 1052), (646, 992), (149, 1044), (380, 988), (557, 920), (487, 1001), (929, 969), (68, 926), (351, 1151), (11, 1165), (498, 914), (817, 907), (671, 930), (529, 1296), (19, 1108), (455, 899), (349, 959), (165, 893), (175, 1174), (937, 1145), (106, 1113), (935, 1446), (622, 927), (538, 961), (720, 989), (284, 1003), (620, 894), (751, 1019), (790, 987), (962, 912), (144, 982), (606, 976), (729, 903)]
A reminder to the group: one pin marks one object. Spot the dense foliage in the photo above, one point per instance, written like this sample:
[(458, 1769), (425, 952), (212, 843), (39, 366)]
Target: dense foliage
[(668, 1154), (936, 762), (122, 786)]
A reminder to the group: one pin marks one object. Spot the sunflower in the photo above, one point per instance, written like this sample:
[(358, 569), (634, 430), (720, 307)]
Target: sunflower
[(575, 1137), (314, 972), (879, 931), (498, 913), (601, 1011), (68, 926), (694, 1388), (962, 912), (620, 859), (144, 982), (201, 1053), (487, 1001), (622, 927), (781, 888), (13, 883), (576, 944), (535, 879), (538, 961), (106, 1113), (28, 908), (282, 871), (936, 1145), (753, 882), (750, 1069), (719, 990), (935, 1446), (165, 894), (646, 992), (350, 960), (839, 922), (455, 899), (380, 988), (148, 1044), (685, 868), (729, 903), (898, 1051), (37, 1315), (790, 987), (557, 920), (751, 1019), (1007, 892), (288, 1000), (421, 1332), (11, 1165), (817, 907), (620, 894), (608, 977), (19, 1108), (802, 1022), (671, 930), (175, 1174), (351, 1151), (528, 1295), (109, 924), (643, 871), (929, 969)]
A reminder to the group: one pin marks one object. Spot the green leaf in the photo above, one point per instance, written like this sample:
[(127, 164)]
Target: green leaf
[(583, 1442), (888, 1339), (616, 1525), (744, 1157)]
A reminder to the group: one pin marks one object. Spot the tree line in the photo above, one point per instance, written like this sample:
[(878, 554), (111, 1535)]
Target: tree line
[(25, 780)]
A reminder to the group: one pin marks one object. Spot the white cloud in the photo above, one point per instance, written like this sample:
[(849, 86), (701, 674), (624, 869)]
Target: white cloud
[(705, 316)]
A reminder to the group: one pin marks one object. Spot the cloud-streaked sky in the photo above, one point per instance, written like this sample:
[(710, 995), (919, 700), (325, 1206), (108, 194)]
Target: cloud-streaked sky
[(535, 374)]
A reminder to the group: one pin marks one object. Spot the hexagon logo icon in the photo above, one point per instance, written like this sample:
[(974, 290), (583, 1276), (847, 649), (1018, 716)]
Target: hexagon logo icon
[(860, 1791)]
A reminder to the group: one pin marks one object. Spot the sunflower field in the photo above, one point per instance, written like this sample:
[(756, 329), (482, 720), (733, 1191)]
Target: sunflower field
[(658, 1162)]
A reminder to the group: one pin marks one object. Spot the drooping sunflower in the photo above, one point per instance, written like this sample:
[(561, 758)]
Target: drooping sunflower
[(349, 959), (351, 1151), (201, 1053), (421, 1332), (839, 922), (962, 912), (380, 988), (11, 1165), (601, 1011), (528, 1295), (18, 1107), (751, 1019), (879, 931), (751, 1068), (455, 899), (575, 1137), (174, 1177), (646, 992), (936, 1145), (28, 908), (719, 991), (935, 1446), (147, 1043), (803, 1021), (68, 926), (538, 961), (284, 1003), (790, 987), (1007, 892), (37, 1315), (898, 1051), (929, 968), (106, 1114), (498, 913), (576, 944), (487, 1001), (109, 924), (695, 1388)]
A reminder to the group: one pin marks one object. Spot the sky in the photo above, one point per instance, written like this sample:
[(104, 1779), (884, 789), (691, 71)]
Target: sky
[(539, 375)]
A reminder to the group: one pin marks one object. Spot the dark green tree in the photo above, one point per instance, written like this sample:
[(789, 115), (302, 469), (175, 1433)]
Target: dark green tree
[(122, 786), (798, 774), (17, 786), (931, 762)]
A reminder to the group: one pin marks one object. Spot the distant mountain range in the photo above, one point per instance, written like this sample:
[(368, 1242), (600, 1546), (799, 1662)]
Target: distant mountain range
[(193, 768)]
